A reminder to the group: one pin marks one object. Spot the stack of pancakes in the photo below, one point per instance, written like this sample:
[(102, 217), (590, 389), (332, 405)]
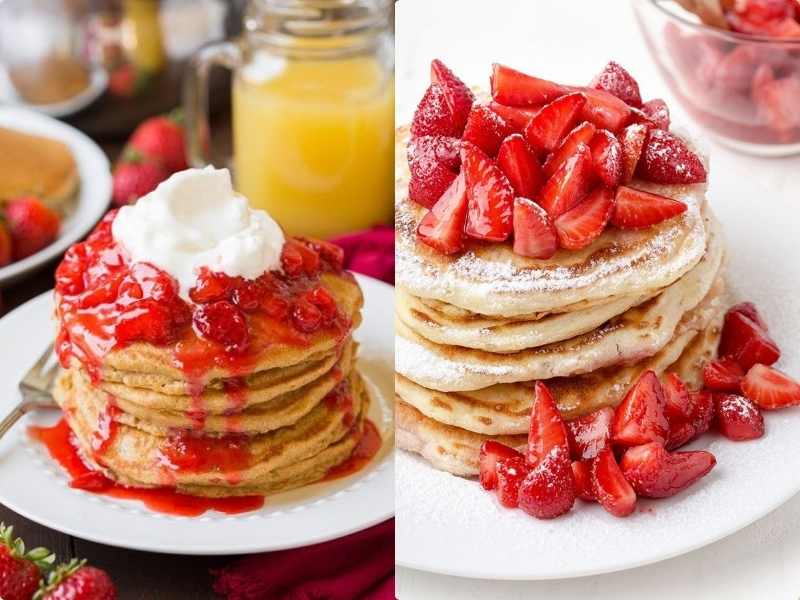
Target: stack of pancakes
[(476, 330), (297, 412)]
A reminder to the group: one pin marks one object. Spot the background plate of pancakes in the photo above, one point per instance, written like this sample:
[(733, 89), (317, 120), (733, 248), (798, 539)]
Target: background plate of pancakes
[(38, 489), (64, 168)]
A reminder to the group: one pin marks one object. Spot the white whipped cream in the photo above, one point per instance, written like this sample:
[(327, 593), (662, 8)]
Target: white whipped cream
[(194, 219)]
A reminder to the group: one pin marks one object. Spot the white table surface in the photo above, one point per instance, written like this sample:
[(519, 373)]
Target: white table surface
[(570, 41)]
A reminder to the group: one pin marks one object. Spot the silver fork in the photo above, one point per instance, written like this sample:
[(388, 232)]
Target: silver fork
[(36, 389)]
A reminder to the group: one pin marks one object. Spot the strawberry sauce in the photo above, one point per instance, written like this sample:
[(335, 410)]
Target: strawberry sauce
[(364, 452)]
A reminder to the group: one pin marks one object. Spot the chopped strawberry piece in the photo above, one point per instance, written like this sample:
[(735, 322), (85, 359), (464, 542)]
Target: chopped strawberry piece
[(749, 310), (615, 80), (723, 375), (667, 159), (516, 117), (676, 397), (569, 184), (702, 410), (763, 10), (736, 69), (632, 140), (582, 134), (549, 488), (519, 164), (458, 96), (681, 432), (547, 429), (486, 129), (583, 224), (433, 162), (637, 209), (433, 115), (655, 473), (534, 234), (582, 474), (553, 122), (514, 88), (605, 110), (770, 389), (510, 474), (491, 198), (776, 101), (747, 342), (443, 227), (609, 485), (640, 418), (737, 418), (491, 453), (590, 433), (607, 158), (657, 112)]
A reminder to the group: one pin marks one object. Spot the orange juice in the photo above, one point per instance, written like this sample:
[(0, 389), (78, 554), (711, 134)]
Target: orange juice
[(313, 142)]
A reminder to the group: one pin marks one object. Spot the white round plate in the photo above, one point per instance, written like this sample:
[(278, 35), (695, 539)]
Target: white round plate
[(449, 525), (93, 195), (98, 81), (35, 486)]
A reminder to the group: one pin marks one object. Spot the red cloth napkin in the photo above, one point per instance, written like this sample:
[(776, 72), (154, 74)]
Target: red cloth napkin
[(370, 252), (359, 566)]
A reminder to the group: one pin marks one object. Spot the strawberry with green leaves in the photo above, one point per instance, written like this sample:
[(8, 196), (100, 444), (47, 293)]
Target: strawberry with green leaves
[(77, 581), (20, 571)]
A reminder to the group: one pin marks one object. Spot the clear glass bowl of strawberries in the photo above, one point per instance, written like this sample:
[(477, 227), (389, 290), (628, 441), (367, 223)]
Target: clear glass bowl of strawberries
[(734, 65)]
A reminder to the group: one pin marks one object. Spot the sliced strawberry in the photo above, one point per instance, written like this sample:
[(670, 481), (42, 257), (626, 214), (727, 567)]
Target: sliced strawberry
[(681, 432), (655, 473), (443, 227), (737, 418), (514, 88), (667, 159), (486, 129), (433, 115), (547, 429), (632, 140), (491, 197), (582, 134), (749, 310), (519, 164), (458, 96), (433, 161), (517, 117), (553, 122), (569, 184), (607, 158), (582, 474), (747, 342), (549, 489), (605, 110), (770, 389), (590, 433), (657, 111), (583, 224), (491, 453), (701, 404), (610, 487), (776, 101), (723, 375), (637, 209), (617, 81), (510, 474), (639, 418), (534, 234), (676, 397)]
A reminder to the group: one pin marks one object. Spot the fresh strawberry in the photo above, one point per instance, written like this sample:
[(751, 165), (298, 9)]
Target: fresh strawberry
[(546, 130), (640, 418), (490, 197), (632, 140), (491, 453), (514, 88), (6, 245), (637, 209), (161, 139), (442, 228), (510, 474), (133, 179), (737, 418), (569, 184), (681, 432), (76, 581), (617, 81), (31, 224), (607, 158), (433, 162), (433, 115), (723, 375), (458, 96), (610, 487), (763, 10), (655, 473), (667, 159), (486, 129), (736, 69), (547, 430), (517, 117), (701, 404), (582, 134), (747, 342), (549, 488), (676, 398), (520, 166), (776, 101), (590, 433), (583, 224), (582, 474), (605, 110), (749, 310), (534, 234), (657, 112), (770, 389), (20, 571)]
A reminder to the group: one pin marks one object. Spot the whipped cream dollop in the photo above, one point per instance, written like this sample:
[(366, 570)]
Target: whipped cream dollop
[(194, 219)]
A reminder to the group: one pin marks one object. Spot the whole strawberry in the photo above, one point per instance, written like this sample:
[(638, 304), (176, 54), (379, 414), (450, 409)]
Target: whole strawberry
[(161, 139), (134, 178), (5, 244), (32, 225), (76, 581), (20, 572)]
